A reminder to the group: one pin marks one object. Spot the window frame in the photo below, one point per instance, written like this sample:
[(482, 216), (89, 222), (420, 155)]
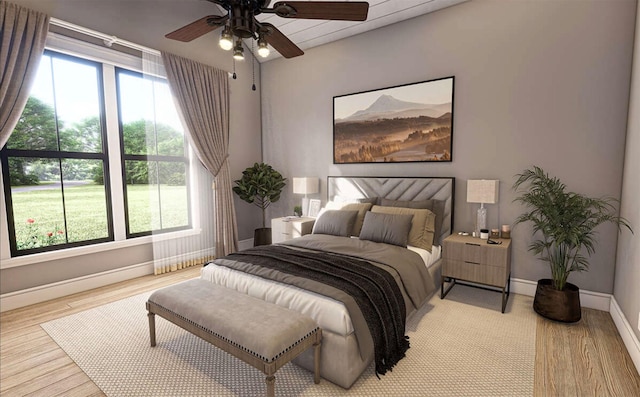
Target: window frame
[(58, 156), (110, 59), (185, 159)]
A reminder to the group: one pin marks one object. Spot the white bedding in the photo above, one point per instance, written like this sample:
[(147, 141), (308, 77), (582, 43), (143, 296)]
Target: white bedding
[(330, 314)]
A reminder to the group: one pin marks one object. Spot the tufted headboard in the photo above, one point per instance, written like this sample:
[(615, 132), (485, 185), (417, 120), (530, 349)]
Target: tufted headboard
[(397, 188)]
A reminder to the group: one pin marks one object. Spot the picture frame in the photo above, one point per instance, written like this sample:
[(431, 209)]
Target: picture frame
[(314, 208), (401, 124)]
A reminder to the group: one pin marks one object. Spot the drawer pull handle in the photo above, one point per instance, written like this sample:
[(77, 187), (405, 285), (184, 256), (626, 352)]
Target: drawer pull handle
[(477, 245), (473, 263)]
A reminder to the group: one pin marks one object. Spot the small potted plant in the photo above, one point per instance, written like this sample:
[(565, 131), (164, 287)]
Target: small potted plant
[(564, 236), (297, 210), (260, 185)]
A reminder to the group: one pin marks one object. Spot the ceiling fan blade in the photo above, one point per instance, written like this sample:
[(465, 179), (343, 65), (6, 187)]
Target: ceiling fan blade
[(197, 28), (332, 10), (279, 41)]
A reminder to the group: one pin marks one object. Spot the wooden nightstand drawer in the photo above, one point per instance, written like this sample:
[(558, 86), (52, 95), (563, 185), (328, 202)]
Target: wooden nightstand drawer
[(479, 252), (471, 259), (478, 273)]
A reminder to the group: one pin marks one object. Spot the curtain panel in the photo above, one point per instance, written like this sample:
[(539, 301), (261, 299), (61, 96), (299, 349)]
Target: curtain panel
[(202, 96), (23, 36)]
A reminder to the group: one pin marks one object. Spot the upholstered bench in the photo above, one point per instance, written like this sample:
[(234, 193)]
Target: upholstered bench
[(262, 334)]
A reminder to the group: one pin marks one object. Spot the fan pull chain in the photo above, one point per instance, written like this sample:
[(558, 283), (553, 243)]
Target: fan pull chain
[(235, 76), (253, 67)]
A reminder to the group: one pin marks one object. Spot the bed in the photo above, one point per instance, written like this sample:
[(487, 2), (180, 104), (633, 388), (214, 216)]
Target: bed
[(350, 344)]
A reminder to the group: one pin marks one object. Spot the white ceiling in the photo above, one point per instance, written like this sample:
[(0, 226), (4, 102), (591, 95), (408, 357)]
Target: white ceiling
[(307, 33)]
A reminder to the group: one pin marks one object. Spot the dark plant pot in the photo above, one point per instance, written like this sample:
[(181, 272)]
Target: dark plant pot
[(262, 236), (557, 305)]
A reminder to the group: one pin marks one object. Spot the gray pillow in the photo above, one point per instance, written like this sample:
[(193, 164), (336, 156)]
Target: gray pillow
[(386, 228), (335, 222), (435, 206)]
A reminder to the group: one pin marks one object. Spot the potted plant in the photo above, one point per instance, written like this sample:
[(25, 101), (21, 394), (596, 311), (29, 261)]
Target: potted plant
[(297, 210), (260, 185), (566, 223)]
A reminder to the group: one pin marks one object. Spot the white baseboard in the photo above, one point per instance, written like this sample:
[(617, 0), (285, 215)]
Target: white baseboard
[(590, 299), (30, 296), (42, 293), (626, 332), (523, 287)]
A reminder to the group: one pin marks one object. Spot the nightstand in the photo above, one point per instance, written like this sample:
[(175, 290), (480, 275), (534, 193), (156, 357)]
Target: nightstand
[(288, 227), (472, 259)]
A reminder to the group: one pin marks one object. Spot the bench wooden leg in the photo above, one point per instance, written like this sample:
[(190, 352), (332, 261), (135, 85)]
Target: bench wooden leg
[(152, 328), (316, 362), (271, 386)]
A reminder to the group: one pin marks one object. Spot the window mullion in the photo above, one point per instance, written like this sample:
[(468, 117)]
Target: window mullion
[(115, 160)]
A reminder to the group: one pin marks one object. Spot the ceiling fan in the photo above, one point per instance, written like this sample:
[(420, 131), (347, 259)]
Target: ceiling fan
[(240, 21)]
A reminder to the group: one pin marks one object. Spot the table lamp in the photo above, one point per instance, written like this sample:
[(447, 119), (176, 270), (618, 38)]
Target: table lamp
[(305, 185), (484, 192)]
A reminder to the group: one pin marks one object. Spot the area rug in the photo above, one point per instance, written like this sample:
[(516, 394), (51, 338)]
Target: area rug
[(460, 346)]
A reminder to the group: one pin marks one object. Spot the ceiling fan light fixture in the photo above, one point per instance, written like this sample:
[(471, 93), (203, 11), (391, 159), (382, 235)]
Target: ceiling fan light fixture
[(238, 51), (263, 47), (239, 22), (226, 39)]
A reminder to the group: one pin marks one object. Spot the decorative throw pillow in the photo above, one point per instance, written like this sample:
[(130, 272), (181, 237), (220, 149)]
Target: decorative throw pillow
[(335, 222), (362, 208), (435, 206), (422, 225), (386, 228)]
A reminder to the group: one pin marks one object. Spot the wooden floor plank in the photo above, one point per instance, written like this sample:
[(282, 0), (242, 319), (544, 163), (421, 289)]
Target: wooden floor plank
[(21, 367), (614, 358), (87, 389), (28, 375), (42, 344), (587, 358), (62, 386), (560, 361), (43, 382), (586, 363), (22, 335), (583, 359), (24, 340), (540, 366), (29, 354)]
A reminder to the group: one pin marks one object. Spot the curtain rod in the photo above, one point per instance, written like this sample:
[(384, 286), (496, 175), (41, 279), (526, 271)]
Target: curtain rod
[(107, 39)]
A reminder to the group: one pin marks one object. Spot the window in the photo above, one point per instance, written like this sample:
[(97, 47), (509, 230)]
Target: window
[(153, 151), (54, 163), (62, 166)]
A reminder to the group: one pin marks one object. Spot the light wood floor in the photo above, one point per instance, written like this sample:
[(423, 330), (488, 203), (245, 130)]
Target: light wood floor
[(583, 359)]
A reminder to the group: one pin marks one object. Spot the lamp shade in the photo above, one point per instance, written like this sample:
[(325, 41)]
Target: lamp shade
[(305, 185), (482, 191)]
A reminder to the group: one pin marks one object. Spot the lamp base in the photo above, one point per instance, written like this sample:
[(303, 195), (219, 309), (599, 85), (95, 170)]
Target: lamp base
[(481, 220), (305, 206)]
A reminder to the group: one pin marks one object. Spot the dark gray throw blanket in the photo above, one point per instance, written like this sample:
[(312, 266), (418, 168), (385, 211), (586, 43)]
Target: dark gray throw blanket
[(374, 290)]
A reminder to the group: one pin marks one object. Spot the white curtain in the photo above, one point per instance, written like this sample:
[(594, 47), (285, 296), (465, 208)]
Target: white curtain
[(23, 34), (174, 254), (202, 95)]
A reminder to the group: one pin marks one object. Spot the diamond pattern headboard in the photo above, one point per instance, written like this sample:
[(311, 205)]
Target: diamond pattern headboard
[(397, 188)]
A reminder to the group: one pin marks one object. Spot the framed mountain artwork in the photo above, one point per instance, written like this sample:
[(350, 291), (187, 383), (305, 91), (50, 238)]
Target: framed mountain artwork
[(406, 123)]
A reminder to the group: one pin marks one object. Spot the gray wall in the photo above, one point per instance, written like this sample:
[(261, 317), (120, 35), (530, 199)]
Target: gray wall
[(146, 22), (537, 82), (627, 281)]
